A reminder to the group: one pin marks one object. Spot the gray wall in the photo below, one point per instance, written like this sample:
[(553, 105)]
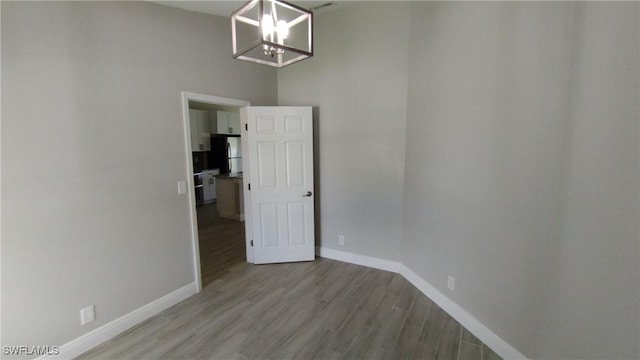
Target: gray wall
[(522, 170), (487, 95), (520, 123), (521, 164), (357, 79), (593, 302), (92, 147)]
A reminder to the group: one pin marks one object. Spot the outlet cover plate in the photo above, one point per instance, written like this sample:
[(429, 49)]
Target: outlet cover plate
[(87, 314), (182, 187), (451, 283)]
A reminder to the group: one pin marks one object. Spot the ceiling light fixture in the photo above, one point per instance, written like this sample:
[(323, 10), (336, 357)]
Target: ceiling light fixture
[(272, 32)]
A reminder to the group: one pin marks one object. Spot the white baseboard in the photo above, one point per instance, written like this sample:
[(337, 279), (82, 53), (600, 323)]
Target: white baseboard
[(368, 261), (107, 331), (496, 343), (472, 324)]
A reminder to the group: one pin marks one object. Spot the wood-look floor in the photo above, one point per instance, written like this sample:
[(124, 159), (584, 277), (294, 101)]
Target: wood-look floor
[(315, 310), (222, 243)]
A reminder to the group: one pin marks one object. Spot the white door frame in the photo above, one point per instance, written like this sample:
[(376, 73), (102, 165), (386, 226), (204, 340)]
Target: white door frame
[(193, 215)]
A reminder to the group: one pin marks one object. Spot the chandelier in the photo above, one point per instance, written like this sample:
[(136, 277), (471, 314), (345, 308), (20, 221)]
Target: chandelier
[(272, 32)]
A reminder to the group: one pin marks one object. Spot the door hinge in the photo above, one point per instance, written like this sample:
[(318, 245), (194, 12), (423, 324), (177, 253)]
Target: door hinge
[(251, 243), (246, 127)]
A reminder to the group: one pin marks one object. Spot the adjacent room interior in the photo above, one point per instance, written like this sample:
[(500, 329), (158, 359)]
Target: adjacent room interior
[(217, 177), (479, 159)]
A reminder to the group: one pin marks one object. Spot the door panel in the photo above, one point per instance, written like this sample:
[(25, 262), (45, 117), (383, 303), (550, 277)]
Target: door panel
[(293, 124), (295, 164), (296, 213), (267, 165), (265, 125), (269, 225), (281, 177)]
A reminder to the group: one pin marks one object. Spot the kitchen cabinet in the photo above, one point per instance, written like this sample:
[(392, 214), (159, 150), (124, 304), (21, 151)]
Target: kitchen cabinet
[(200, 130), (230, 197), (225, 122)]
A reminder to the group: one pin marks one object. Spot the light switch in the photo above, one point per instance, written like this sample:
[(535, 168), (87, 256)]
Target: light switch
[(182, 187)]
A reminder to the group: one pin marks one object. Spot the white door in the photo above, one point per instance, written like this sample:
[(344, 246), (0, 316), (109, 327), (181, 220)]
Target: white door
[(281, 177)]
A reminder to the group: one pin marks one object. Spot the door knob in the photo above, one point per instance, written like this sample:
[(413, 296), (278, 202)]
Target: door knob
[(307, 194)]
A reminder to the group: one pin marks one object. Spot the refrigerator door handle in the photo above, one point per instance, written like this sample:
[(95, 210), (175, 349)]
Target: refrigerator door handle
[(228, 150), (229, 161)]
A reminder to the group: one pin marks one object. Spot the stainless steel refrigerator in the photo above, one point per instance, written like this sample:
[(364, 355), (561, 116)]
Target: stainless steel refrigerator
[(226, 154)]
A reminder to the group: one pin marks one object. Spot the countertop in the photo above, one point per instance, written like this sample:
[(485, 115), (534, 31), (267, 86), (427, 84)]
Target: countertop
[(209, 171), (227, 177)]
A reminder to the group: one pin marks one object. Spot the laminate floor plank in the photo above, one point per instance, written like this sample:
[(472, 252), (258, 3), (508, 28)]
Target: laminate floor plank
[(407, 343), (361, 344), (424, 352), (406, 297), (469, 337), (323, 309), (375, 296), (341, 312), (432, 327), (284, 334), (227, 348), (316, 344), (396, 285), (350, 330), (383, 345), (449, 340), (488, 354), (469, 351), (382, 311), (366, 286), (419, 310)]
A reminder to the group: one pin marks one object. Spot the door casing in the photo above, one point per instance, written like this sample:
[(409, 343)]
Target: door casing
[(187, 96)]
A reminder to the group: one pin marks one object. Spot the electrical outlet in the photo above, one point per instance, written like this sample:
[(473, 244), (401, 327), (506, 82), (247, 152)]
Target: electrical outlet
[(451, 283), (341, 240), (87, 314)]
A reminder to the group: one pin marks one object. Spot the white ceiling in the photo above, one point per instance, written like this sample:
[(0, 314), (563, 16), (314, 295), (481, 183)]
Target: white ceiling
[(226, 8)]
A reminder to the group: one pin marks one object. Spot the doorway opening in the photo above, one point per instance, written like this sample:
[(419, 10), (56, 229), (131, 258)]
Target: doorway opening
[(214, 154)]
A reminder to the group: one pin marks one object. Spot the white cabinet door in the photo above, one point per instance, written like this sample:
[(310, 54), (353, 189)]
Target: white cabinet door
[(234, 123), (225, 123), (195, 136), (195, 118), (205, 131), (200, 130), (280, 143), (222, 122)]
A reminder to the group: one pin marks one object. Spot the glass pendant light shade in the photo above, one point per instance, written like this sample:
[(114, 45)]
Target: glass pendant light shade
[(272, 32)]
